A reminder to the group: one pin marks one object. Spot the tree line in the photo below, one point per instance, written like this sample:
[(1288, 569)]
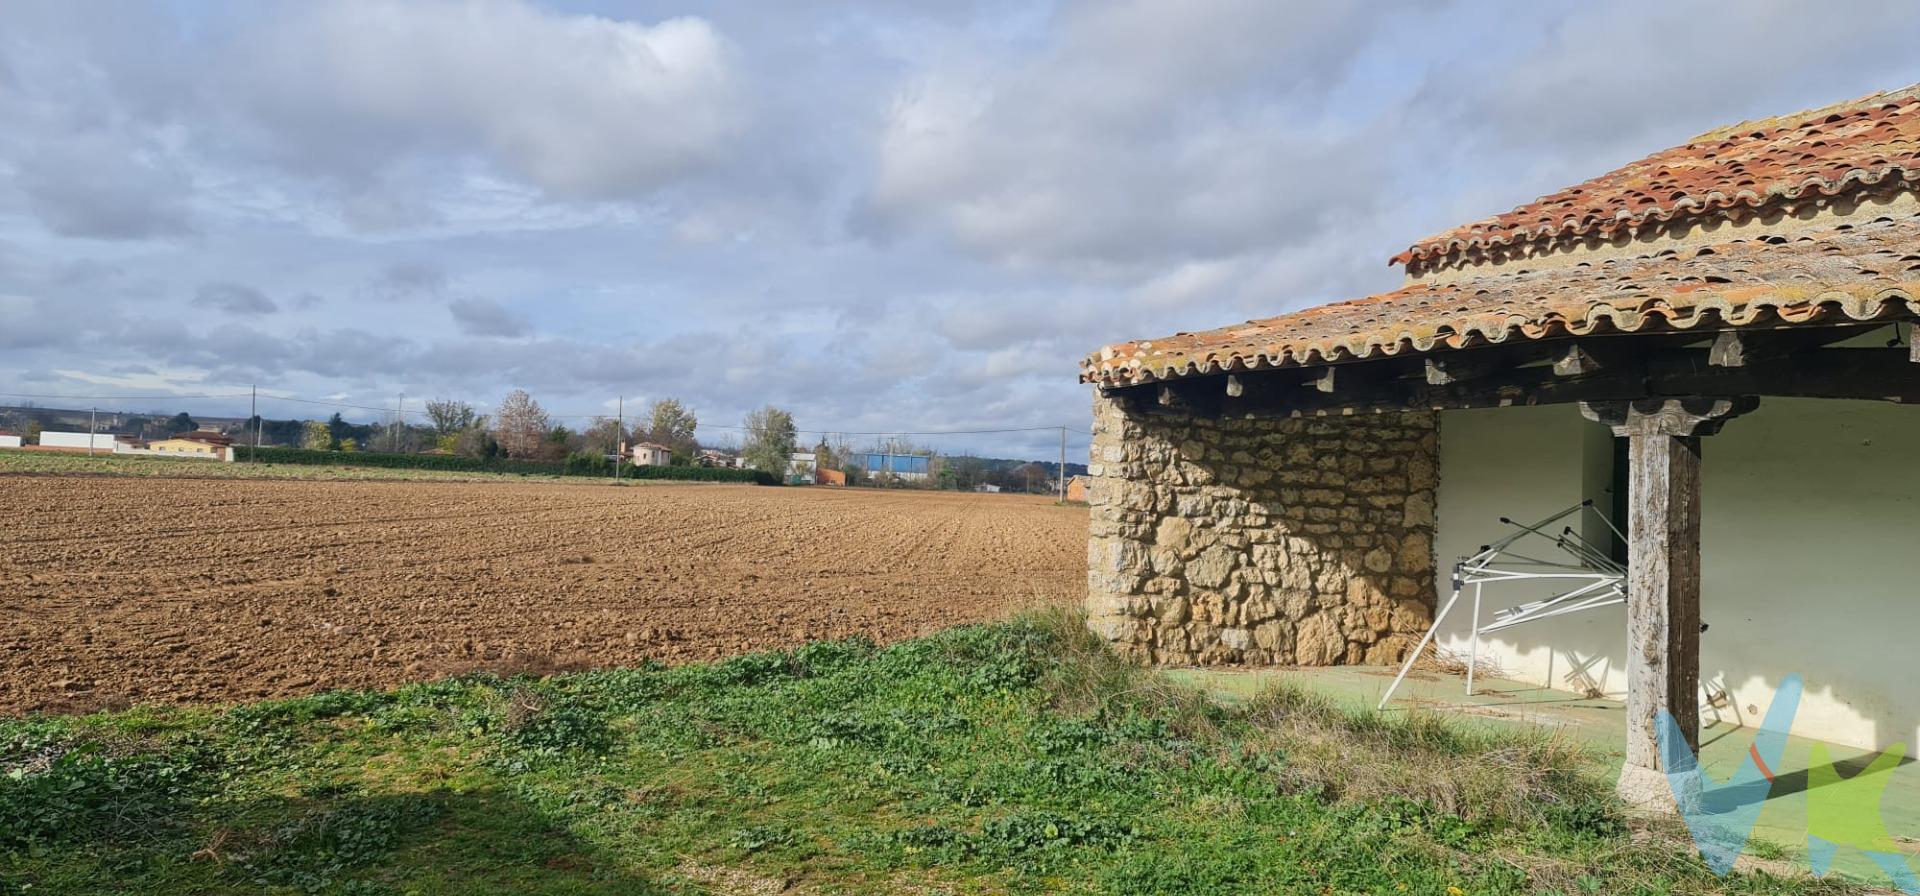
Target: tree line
[(519, 428)]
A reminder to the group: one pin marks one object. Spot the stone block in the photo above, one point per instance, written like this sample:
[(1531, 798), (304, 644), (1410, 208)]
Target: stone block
[(1318, 641), (1211, 568)]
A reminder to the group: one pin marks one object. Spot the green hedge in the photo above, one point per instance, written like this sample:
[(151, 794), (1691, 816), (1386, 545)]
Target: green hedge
[(576, 465), (699, 474)]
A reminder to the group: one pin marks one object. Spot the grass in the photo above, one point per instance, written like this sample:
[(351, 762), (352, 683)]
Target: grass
[(1018, 757), (38, 463)]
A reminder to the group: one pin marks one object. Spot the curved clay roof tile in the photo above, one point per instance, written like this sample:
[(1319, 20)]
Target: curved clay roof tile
[(1833, 274), (1818, 152)]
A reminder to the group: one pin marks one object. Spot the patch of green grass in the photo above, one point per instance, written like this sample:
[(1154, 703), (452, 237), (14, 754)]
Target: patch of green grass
[(1019, 757)]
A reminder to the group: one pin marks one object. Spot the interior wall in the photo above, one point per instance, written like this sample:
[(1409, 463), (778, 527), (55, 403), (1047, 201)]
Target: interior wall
[(1525, 463), (1810, 509)]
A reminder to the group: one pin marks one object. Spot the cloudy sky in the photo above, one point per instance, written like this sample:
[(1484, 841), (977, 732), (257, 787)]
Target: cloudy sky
[(883, 216)]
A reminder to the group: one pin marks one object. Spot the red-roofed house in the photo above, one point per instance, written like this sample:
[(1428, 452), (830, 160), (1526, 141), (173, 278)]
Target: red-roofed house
[(650, 454), (1298, 489), (200, 444)]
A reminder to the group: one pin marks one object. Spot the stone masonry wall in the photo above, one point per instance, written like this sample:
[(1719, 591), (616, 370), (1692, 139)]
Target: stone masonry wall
[(1304, 541)]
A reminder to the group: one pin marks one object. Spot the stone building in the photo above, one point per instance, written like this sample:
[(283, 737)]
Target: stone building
[(1296, 490)]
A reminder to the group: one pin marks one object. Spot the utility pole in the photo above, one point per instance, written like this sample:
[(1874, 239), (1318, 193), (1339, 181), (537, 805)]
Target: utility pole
[(1063, 465), (93, 414), (254, 404), (399, 417), (619, 435)]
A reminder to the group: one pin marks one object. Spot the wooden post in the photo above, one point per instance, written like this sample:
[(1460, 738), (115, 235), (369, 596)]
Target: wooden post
[(1663, 573)]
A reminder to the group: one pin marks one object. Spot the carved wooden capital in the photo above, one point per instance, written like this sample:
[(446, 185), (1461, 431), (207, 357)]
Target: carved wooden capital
[(1683, 417)]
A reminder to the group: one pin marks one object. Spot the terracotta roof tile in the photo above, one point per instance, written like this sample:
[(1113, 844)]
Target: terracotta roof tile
[(1846, 272), (1822, 152)]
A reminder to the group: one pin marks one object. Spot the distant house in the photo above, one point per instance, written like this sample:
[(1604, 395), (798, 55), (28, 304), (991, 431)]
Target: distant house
[(1077, 489), (987, 488), (652, 454), (200, 444), (9, 439), (79, 441), (709, 457), (800, 467)]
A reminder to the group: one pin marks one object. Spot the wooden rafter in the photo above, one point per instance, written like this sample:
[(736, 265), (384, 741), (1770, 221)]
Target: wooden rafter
[(1620, 369)]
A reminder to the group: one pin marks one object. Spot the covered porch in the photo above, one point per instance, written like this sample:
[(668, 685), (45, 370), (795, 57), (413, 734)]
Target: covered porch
[(1595, 725), (1295, 490), (1654, 403)]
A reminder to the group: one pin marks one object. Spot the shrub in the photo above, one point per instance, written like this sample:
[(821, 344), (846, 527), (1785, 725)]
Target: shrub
[(587, 463), (700, 474)]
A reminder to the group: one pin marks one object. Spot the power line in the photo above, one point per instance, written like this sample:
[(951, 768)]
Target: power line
[(337, 404)]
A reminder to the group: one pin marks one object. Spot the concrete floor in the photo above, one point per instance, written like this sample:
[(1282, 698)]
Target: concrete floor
[(1600, 725)]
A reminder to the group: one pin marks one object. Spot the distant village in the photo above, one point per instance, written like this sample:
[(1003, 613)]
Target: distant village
[(520, 431)]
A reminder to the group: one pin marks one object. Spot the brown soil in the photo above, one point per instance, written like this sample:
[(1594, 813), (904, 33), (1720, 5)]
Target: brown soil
[(116, 592)]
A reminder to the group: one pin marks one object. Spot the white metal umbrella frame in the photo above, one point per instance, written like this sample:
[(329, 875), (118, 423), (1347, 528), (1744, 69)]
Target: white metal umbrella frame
[(1593, 577)]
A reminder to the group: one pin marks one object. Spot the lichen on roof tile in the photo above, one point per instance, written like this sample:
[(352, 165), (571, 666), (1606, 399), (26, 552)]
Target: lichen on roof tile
[(1821, 152), (1845, 272)]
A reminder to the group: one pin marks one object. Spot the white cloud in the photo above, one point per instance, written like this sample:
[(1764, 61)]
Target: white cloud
[(1141, 134), (882, 216), (580, 106)]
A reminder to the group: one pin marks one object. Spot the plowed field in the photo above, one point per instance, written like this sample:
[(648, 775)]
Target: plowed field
[(119, 591)]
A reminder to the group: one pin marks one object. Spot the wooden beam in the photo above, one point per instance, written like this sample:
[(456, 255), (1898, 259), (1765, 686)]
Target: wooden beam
[(1663, 592), (1870, 374), (1324, 380), (1171, 396), (1740, 348), (1729, 350), (1446, 370), (1188, 395), (1663, 573), (1578, 359)]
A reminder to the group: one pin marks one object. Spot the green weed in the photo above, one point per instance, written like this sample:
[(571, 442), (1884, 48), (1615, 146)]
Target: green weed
[(1020, 757)]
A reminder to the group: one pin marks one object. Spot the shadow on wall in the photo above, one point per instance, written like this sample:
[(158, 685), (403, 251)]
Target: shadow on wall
[(1809, 511), (1263, 542)]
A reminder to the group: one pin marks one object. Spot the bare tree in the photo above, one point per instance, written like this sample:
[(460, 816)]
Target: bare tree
[(521, 426), (450, 416), (475, 441), (602, 436)]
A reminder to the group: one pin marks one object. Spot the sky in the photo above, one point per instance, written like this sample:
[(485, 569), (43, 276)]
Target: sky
[(913, 216)]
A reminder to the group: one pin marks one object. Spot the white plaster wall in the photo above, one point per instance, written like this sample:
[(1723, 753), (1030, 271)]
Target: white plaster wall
[(1525, 463), (9, 441), (1811, 512), (100, 441)]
